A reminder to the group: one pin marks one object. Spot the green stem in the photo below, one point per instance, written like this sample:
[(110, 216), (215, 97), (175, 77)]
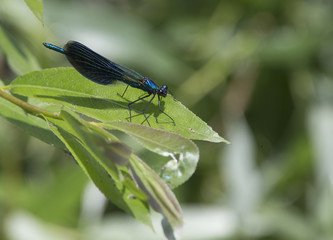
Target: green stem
[(26, 106)]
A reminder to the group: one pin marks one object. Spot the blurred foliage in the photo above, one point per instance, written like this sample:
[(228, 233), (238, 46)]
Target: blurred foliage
[(259, 72)]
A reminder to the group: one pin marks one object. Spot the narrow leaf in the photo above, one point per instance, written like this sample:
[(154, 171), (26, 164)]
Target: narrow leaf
[(20, 59), (87, 149), (182, 154), (160, 197), (36, 6)]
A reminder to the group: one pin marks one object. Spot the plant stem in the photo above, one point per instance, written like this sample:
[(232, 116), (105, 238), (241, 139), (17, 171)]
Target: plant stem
[(28, 107)]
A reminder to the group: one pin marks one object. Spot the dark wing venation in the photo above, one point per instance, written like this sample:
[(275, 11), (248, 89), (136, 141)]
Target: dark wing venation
[(90, 64), (96, 67), (129, 72)]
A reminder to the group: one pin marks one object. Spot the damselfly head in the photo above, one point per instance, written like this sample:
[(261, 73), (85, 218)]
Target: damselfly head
[(163, 91)]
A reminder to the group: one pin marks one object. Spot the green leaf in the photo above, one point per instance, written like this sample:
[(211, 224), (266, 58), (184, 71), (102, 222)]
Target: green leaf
[(160, 197), (95, 140), (182, 154), (33, 125), (20, 59), (92, 151), (65, 86), (36, 6)]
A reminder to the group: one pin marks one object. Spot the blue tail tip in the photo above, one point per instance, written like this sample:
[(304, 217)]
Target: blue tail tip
[(54, 47)]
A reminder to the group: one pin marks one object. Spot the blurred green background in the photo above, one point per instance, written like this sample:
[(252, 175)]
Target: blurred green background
[(259, 72)]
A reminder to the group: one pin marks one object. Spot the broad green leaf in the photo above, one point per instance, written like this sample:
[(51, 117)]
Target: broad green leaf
[(181, 154), (160, 197), (92, 151), (20, 59), (36, 6), (65, 86)]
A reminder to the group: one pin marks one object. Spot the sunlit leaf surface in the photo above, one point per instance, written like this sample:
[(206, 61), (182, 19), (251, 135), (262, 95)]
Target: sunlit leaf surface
[(67, 87)]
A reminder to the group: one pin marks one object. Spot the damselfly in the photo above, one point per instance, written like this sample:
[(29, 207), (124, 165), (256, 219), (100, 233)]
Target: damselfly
[(103, 71)]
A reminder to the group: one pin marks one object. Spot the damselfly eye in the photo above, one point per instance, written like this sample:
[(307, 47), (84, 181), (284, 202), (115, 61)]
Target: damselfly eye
[(163, 91)]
